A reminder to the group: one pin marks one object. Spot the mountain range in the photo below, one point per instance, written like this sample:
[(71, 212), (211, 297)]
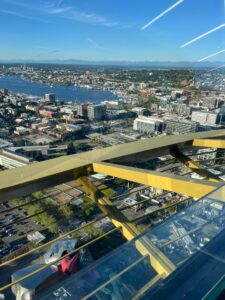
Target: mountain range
[(149, 64)]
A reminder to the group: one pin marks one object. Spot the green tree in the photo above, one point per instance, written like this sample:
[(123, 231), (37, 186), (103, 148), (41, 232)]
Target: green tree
[(92, 231), (66, 211), (37, 195)]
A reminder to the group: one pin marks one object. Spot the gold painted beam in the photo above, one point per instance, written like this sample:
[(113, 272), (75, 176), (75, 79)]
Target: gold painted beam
[(191, 187), (145, 149), (208, 143), (100, 195), (24, 180)]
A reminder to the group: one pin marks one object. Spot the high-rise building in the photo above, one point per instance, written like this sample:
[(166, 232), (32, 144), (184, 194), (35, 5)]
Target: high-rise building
[(50, 98), (4, 91), (96, 112), (82, 110)]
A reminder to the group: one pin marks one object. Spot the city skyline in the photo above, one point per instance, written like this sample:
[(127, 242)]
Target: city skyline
[(113, 31)]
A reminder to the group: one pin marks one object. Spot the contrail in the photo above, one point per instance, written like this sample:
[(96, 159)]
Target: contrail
[(61, 1), (162, 14), (217, 68), (211, 55), (203, 35)]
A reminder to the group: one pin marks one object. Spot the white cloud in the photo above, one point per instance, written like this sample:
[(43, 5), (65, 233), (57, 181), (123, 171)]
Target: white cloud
[(57, 9), (14, 13), (94, 44), (68, 12)]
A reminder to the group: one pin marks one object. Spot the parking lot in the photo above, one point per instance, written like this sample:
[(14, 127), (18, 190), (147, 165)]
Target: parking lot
[(14, 226)]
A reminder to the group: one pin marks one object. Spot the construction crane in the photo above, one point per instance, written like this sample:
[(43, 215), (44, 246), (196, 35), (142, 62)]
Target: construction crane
[(69, 118)]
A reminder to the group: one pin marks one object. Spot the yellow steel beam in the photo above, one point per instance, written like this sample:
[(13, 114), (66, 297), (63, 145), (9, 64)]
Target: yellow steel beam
[(100, 195), (34, 177), (208, 143), (143, 149), (23, 181), (170, 182), (194, 166)]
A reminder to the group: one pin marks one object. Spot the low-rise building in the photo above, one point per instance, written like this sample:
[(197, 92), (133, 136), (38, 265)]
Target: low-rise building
[(148, 125), (207, 117), (20, 130), (47, 113), (11, 160), (180, 126), (31, 107), (179, 108)]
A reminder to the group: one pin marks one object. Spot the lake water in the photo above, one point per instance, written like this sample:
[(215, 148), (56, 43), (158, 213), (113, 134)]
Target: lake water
[(66, 93)]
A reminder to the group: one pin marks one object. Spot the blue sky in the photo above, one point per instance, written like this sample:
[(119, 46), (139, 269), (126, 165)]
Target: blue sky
[(110, 30)]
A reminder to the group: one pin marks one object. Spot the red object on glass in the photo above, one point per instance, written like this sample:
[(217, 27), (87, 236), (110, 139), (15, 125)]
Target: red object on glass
[(71, 264)]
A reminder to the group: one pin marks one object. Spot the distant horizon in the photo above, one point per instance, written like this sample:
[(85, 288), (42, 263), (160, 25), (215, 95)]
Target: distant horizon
[(122, 63)]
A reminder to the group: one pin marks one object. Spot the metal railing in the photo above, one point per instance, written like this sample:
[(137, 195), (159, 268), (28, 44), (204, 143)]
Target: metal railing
[(52, 241), (58, 260)]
